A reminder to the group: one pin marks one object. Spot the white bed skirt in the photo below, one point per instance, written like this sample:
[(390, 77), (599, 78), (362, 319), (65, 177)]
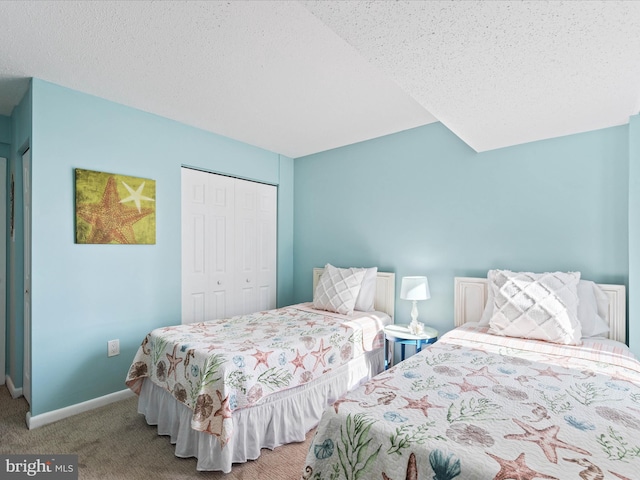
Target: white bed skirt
[(282, 418)]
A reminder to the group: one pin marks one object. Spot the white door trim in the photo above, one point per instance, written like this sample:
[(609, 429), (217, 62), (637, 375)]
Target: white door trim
[(3, 270), (26, 194)]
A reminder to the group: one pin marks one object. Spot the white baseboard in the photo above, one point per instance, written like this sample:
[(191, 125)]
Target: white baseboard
[(55, 415), (15, 392)]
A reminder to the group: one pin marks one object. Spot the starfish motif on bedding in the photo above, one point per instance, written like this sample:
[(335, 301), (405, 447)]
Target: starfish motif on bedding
[(483, 372), (469, 387), (224, 411), (299, 360), (246, 345), (337, 403), (346, 326), (196, 328), (624, 378), (421, 404), (549, 372), (272, 325), (516, 469), (621, 477), (261, 357), (412, 469), (559, 360), (376, 383), (174, 360), (319, 354), (311, 323), (168, 329), (547, 439)]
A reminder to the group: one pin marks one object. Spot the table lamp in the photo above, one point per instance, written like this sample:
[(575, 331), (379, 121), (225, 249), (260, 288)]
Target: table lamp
[(415, 288)]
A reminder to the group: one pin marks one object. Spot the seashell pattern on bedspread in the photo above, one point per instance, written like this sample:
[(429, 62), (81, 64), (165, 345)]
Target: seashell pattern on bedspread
[(479, 406), (221, 366)]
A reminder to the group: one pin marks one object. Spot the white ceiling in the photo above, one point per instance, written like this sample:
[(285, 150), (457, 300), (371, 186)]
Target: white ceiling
[(301, 77)]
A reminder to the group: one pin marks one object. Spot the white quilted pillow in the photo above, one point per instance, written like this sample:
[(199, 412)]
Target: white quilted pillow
[(592, 309), (542, 306), (367, 295), (338, 289)]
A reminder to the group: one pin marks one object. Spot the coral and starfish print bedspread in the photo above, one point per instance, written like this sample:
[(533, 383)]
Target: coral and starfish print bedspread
[(477, 406), (220, 366)]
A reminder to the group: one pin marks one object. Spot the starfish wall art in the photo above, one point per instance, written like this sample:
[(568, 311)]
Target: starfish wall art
[(114, 208)]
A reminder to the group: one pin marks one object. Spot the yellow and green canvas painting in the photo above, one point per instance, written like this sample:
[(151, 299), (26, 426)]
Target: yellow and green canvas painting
[(114, 208)]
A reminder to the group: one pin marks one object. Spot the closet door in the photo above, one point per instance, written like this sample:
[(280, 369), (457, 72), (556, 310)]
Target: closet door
[(255, 240), (228, 246), (266, 233), (221, 248), (207, 246)]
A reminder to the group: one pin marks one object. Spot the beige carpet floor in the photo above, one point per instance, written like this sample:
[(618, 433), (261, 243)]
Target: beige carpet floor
[(115, 442)]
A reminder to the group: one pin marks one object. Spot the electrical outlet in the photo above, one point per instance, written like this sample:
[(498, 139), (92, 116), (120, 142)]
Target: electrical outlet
[(113, 348)]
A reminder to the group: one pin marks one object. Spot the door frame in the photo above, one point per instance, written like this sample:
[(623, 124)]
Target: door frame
[(26, 195), (3, 271)]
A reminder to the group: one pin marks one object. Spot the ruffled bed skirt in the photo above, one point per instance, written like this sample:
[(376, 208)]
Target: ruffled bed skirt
[(281, 418)]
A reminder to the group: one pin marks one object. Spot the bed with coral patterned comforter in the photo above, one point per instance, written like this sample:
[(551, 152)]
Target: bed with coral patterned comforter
[(479, 406), (221, 366)]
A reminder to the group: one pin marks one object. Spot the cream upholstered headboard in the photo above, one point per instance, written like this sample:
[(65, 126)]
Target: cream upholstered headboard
[(470, 297), (385, 300)]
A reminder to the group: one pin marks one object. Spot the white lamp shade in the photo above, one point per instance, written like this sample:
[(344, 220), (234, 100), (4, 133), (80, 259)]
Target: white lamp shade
[(415, 288)]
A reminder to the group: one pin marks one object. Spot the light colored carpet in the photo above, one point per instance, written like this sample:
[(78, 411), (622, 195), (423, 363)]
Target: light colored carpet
[(115, 441)]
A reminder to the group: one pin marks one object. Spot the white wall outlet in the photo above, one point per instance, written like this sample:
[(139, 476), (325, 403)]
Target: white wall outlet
[(113, 348)]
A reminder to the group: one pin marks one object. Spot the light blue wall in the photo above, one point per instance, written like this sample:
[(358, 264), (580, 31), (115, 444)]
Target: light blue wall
[(84, 295), (5, 136), (285, 232), (417, 202), (634, 233), (421, 202)]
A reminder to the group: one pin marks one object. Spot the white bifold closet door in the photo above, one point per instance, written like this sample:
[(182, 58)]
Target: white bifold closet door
[(228, 246)]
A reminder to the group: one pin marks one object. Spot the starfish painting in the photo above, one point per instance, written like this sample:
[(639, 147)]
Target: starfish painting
[(136, 196), (101, 215), (547, 439)]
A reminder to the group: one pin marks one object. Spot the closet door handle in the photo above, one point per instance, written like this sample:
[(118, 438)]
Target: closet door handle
[(248, 281)]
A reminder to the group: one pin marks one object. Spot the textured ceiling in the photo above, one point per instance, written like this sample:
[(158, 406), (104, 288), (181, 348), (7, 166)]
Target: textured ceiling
[(302, 77)]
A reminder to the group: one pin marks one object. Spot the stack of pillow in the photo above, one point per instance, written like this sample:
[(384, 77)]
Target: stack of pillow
[(343, 290), (555, 307)]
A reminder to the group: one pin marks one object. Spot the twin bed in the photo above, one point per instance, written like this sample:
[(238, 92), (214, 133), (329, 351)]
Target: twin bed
[(479, 404), (483, 402), (225, 389)]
